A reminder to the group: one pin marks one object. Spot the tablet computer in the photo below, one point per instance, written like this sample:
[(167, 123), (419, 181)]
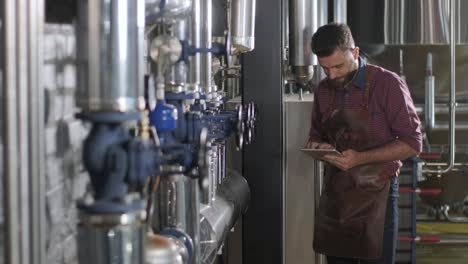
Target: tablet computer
[(319, 153)]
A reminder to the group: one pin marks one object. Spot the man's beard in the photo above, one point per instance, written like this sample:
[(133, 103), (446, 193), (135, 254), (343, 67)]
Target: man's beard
[(340, 82)]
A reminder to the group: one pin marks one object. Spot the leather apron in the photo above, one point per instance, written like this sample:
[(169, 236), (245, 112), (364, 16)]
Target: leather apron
[(351, 214)]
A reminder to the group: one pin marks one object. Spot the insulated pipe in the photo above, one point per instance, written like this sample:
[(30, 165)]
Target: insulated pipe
[(452, 102), (232, 198), (429, 84), (108, 56), (303, 21), (340, 11), (195, 37), (206, 41), (243, 25), (176, 204), (177, 75)]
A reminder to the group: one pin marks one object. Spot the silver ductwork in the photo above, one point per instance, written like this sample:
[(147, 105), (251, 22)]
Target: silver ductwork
[(165, 250), (176, 205), (111, 238), (242, 25), (108, 56), (231, 200), (303, 22)]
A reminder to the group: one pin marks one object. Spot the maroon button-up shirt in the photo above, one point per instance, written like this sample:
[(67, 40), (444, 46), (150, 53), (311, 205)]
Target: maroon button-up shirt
[(393, 115)]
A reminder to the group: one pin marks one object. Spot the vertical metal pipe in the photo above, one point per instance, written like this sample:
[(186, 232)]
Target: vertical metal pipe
[(108, 55), (340, 11), (222, 161), (429, 92), (23, 131), (36, 132), (303, 21), (195, 35), (206, 40), (140, 89), (10, 136), (452, 102), (318, 182), (243, 25), (22, 126), (178, 74)]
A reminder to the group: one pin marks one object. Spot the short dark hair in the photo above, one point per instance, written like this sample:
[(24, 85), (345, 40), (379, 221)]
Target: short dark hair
[(330, 37)]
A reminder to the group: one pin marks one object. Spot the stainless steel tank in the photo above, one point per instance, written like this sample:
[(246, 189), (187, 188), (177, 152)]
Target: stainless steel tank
[(108, 55), (243, 25), (398, 22), (111, 238)]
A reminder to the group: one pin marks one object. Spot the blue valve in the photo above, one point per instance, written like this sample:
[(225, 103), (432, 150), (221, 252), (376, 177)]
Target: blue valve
[(164, 117)]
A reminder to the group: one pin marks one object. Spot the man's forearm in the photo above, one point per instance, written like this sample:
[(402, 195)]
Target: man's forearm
[(395, 150)]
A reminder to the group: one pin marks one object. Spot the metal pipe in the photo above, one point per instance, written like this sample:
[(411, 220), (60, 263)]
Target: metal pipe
[(177, 206), (108, 56), (453, 219), (111, 238), (429, 94), (23, 130), (440, 108), (23, 83), (165, 250), (303, 22), (212, 172), (444, 164), (195, 35), (206, 41), (452, 103), (10, 134), (36, 132), (178, 74), (340, 11), (141, 71), (231, 201), (243, 25), (318, 183)]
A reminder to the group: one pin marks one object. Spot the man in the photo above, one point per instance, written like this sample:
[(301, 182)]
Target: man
[(367, 113)]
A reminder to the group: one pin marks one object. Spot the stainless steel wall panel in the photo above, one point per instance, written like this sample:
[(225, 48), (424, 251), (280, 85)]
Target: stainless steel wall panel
[(299, 188)]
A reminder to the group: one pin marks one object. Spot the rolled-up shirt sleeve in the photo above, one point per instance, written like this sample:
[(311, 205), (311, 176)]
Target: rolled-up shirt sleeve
[(401, 113)]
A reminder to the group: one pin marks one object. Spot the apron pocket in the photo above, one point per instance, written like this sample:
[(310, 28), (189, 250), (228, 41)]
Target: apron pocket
[(369, 178)]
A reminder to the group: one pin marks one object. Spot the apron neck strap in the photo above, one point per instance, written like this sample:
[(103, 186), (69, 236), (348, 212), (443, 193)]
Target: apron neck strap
[(365, 100), (369, 79)]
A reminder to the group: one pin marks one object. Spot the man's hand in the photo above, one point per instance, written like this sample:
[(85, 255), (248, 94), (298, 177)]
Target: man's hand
[(349, 159), (317, 145)]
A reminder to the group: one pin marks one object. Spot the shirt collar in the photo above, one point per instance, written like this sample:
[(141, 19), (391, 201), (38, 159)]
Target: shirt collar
[(359, 79)]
